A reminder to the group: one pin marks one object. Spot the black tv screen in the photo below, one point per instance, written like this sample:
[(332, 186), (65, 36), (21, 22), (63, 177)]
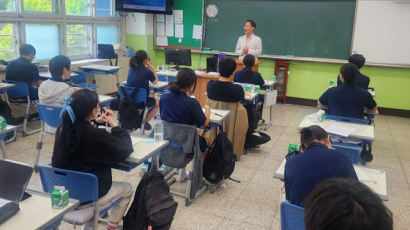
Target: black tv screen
[(145, 6)]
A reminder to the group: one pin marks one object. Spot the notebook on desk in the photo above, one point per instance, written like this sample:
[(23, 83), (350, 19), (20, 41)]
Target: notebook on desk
[(14, 178)]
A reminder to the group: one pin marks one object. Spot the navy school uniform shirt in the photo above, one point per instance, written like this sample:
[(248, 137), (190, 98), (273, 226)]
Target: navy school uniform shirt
[(305, 170), (361, 80), (22, 70), (181, 109), (256, 78), (224, 91), (140, 78), (347, 101)]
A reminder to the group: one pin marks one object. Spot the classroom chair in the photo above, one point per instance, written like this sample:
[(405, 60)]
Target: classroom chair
[(82, 187), (106, 51), (291, 216), (20, 90), (49, 115), (351, 150), (195, 185), (140, 97), (81, 81)]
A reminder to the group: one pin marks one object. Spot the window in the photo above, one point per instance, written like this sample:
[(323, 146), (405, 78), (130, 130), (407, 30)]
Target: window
[(45, 38), (107, 34), (77, 39), (78, 7), (7, 42), (103, 8), (41, 6), (6, 5)]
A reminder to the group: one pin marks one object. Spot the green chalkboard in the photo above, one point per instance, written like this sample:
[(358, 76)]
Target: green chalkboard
[(192, 15), (301, 28)]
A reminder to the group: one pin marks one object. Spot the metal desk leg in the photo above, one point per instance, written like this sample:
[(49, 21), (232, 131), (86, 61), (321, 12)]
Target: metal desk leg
[(116, 75), (267, 125), (93, 78), (3, 149)]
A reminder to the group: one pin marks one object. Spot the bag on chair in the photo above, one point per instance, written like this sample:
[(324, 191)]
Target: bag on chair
[(5, 112), (153, 205), (129, 113), (220, 161)]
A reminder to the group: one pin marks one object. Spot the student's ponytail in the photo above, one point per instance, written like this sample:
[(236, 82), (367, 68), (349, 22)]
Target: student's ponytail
[(248, 61), (185, 78), (138, 59)]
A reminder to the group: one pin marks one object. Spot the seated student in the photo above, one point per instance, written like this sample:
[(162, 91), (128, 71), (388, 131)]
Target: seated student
[(316, 163), (140, 73), (338, 204), (179, 107), (81, 146), (223, 89), (347, 100), (54, 90), (362, 80), (22, 70), (247, 75)]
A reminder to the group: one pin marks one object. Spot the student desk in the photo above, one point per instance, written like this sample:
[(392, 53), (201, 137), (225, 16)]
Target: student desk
[(362, 132), (167, 76), (372, 177), (2, 136), (159, 87), (36, 212), (142, 151), (101, 69), (4, 86), (105, 99), (47, 75), (218, 117)]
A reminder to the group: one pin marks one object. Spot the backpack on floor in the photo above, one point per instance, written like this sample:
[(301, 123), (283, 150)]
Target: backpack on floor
[(5, 112), (220, 161), (153, 204), (129, 113), (253, 116), (255, 138)]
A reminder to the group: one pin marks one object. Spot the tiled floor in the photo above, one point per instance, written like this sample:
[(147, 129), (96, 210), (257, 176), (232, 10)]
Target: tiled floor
[(254, 203)]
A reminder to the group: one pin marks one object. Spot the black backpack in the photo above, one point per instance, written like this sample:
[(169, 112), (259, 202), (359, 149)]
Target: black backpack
[(255, 138), (253, 116), (5, 112), (129, 113), (153, 205), (220, 161)]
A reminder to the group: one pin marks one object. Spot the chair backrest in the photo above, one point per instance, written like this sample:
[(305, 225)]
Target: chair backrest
[(352, 151), (171, 78), (291, 216), (19, 90), (347, 119), (49, 114), (81, 186), (79, 79), (140, 97), (106, 51)]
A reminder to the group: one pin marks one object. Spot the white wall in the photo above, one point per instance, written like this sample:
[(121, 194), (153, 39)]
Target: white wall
[(139, 23)]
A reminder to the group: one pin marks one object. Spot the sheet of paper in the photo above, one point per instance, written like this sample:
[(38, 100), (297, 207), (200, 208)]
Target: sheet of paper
[(160, 29), (361, 175), (169, 19), (197, 33), (162, 41), (178, 16), (136, 140), (179, 30), (340, 130), (169, 29), (159, 18)]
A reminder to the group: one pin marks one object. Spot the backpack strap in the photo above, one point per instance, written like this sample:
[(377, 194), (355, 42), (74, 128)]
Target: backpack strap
[(134, 92)]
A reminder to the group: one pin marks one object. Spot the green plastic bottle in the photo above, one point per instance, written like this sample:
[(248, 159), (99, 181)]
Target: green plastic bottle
[(3, 123)]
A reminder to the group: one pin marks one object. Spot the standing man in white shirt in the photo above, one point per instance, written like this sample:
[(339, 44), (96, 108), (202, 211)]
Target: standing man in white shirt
[(249, 43)]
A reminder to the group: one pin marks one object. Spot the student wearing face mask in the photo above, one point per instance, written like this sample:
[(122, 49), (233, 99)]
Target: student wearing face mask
[(179, 107), (316, 163), (81, 146)]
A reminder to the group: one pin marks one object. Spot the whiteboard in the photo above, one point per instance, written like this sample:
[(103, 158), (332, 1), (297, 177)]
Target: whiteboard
[(382, 31)]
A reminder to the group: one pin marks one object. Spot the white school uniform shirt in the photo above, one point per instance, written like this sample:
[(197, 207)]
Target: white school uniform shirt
[(254, 44)]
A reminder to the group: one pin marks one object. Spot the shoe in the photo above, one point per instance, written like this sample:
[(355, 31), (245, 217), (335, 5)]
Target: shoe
[(147, 126), (366, 157)]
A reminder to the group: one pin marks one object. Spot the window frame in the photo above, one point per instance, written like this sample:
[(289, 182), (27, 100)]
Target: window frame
[(90, 32), (15, 37), (20, 18)]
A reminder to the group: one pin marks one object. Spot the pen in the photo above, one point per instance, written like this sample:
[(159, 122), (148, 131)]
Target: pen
[(218, 114)]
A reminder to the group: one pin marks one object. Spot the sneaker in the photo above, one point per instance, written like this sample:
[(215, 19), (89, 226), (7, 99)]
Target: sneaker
[(147, 126)]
